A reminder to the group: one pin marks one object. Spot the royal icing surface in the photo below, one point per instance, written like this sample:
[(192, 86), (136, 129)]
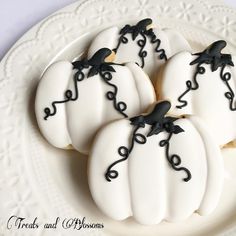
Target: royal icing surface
[(74, 100), (149, 47), (203, 84), (146, 185)]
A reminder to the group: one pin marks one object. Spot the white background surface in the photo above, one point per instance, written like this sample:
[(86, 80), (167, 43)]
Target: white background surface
[(58, 181), (17, 16)]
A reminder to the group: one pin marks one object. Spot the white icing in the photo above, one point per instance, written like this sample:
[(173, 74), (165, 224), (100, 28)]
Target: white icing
[(171, 41), (208, 101), (147, 188), (76, 122), (215, 168), (52, 87)]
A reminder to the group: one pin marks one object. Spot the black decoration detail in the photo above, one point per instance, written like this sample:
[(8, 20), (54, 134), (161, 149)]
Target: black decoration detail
[(124, 152), (141, 29), (213, 56), (159, 123), (174, 160), (225, 77), (191, 85), (111, 95), (96, 65)]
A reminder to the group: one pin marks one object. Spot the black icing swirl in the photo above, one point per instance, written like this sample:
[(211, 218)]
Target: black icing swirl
[(191, 85), (142, 53), (124, 152), (174, 160), (111, 95), (212, 56), (141, 29), (225, 77), (159, 123), (79, 76), (154, 40), (96, 65)]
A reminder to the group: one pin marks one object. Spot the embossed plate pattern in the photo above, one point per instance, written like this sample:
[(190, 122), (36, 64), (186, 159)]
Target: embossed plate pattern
[(38, 180)]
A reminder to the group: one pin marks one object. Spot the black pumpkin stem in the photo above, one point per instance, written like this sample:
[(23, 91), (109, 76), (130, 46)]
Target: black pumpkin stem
[(96, 65)]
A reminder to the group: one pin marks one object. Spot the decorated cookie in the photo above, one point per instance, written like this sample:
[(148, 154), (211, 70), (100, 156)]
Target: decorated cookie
[(75, 99), (155, 167), (141, 43), (203, 84)]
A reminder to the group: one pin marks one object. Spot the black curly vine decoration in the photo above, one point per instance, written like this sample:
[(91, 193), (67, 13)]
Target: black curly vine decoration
[(96, 65), (141, 29), (213, 56), (159, 123), (124, 153)]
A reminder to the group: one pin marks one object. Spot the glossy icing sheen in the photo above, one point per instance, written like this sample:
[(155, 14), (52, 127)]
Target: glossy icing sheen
[(158, 122), (171, 41), (76, 122), (208, 101), (147, 188)]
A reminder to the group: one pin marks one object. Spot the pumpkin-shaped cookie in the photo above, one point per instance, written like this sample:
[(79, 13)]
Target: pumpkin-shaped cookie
[(203, 84), (141, 43), (74, 100), (155, 167)]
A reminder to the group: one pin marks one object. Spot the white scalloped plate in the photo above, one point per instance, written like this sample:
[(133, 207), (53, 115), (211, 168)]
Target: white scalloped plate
[(39, 180)]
